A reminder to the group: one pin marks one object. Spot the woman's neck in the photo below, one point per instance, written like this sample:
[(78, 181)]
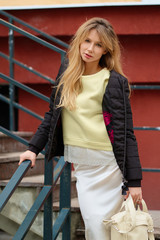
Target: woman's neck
[(90, 69)]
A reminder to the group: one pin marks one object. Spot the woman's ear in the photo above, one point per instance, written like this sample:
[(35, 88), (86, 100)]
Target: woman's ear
[(105, 51)]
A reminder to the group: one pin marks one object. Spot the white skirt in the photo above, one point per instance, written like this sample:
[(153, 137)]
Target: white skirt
[(100, 196)]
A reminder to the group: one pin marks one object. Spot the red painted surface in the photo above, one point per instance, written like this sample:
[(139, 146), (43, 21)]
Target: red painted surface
[(140, 57), (126, 20), (146, 112), (25, 121), (139, 34), (38, 57)]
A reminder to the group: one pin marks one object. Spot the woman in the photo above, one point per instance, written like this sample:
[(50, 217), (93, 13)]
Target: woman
[(90, 122)]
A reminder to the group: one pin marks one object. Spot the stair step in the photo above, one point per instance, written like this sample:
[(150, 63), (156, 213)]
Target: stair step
[(8, 144), (80, 233), (20, 203), (9, 163), (5, 236), (74, 205), (37, 182)]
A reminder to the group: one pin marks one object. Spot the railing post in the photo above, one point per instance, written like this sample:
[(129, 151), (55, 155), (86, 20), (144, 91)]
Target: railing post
[(62, 56), (65, 199), (48, 206), (11, 74)]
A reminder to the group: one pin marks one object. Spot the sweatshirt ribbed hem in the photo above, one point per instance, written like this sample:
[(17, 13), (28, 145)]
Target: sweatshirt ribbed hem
[(88, 144)]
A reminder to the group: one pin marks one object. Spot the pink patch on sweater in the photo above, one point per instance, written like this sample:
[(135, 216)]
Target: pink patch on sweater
[(107, 118), (111, 135)]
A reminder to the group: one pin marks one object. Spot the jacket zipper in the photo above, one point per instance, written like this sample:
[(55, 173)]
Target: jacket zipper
[(49, 150), (124, 187)]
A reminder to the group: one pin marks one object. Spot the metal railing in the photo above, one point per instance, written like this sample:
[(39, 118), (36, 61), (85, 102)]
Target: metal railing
[(39, 32), (147, 128), (13, 61), (62, 170), (146, 87)]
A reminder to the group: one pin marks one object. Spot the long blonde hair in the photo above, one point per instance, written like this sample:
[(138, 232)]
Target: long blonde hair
[(70, 81)]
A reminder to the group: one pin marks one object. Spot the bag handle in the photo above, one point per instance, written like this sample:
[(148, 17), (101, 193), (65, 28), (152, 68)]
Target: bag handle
[(130, 207), (144, 207)]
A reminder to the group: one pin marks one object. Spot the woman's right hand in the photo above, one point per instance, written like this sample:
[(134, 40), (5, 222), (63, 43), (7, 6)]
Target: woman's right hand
[(28, 155)]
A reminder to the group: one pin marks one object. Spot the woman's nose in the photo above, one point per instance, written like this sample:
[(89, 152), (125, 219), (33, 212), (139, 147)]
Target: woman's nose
[(90, 47)]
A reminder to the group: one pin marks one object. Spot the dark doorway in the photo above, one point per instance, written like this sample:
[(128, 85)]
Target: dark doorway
[(4, 108)]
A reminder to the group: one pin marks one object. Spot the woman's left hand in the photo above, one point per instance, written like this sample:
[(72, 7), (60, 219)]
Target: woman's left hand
[(136, 194)]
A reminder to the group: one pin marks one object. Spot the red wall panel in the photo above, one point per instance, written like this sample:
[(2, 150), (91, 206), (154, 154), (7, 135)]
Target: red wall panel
[(146, 112), (25, 121), (140, 57), (35, 56), (126, 20)]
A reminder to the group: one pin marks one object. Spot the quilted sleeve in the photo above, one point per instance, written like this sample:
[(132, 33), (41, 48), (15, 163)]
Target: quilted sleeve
[(132, 164), (40, 138)]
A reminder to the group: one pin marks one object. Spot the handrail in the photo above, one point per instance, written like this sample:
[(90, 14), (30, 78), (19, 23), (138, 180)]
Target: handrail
[(151, 169), (27, 89), (13, 183), (31, 215), (55, 40), (28, 68), (44, 194), (147, 128), (32, 37), (24, 87), (12, 61), (12, 135), (19, 174), (19, 106), (145, 87), (17, 138)]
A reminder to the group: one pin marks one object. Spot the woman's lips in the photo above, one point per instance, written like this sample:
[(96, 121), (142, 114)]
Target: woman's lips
[(87, 55)]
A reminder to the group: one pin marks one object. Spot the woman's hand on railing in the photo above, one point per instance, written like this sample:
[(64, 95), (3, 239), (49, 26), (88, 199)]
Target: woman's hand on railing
[(28, 155)]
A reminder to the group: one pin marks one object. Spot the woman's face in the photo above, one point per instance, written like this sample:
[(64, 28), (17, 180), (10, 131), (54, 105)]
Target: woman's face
[(91, 49)]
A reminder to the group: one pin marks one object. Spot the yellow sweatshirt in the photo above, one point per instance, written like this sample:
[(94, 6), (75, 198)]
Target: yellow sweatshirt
[(84, 127)]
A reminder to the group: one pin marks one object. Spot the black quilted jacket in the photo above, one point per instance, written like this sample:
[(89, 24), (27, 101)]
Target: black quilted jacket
[(117, 118)]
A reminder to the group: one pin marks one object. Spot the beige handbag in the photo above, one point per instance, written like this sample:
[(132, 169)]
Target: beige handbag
[(131, 224)]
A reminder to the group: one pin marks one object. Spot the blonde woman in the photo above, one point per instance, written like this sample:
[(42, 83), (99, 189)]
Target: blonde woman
[(90, 123)]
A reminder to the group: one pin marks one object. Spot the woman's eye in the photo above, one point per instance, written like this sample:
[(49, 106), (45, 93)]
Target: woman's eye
[(99, 45), (87, 40)]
